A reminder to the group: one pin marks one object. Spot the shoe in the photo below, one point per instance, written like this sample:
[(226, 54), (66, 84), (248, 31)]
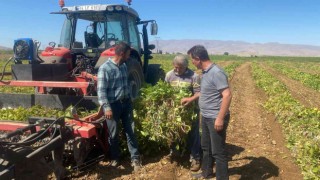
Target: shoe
[(199, 176), (136, 164), (114, 163), (195, 165), (166, 160)]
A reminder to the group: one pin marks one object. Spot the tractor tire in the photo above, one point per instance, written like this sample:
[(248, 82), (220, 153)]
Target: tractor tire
[(135, 76), (154, 74)]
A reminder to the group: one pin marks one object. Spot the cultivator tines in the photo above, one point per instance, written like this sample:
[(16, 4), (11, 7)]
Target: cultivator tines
[(34, 145), (46, 145)]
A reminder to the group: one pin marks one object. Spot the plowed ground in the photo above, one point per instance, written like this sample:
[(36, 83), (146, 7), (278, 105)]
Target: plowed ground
[(255, 144)]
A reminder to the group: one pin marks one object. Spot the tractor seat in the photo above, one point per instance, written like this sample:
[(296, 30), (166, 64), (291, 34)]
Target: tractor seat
[(92, 39)]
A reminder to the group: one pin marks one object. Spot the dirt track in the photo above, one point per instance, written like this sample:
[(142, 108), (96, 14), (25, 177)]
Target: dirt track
[(255, 143)]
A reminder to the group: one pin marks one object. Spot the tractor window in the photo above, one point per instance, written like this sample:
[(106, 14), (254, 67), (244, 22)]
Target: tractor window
[(83, 27), (133, 33), (100, 29), (116, 29), (102, 32), (65, 38), (90, 34)]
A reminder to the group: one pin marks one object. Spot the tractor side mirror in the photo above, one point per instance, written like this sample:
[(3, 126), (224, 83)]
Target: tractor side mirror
[(154, 28), (151, 46)]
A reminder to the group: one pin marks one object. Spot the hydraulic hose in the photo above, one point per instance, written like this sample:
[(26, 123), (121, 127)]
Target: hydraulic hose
[(4, 68), (38, 137)]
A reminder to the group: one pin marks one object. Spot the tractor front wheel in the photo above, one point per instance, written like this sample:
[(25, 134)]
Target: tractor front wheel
[(154, 74)]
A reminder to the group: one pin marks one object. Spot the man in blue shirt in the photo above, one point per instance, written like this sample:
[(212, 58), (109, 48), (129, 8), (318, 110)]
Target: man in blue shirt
[(214, 101), (114, 97)]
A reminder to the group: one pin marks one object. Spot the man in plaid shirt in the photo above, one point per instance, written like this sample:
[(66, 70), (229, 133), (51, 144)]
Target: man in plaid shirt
[(114, 97)]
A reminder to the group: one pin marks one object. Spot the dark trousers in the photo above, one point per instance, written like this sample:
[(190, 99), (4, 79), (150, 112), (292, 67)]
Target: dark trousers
[(194, 141), (122, 110), (214, 150)]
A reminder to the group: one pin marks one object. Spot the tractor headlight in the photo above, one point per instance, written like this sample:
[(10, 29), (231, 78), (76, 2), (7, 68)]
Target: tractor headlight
[(118, 8), (110, 8)]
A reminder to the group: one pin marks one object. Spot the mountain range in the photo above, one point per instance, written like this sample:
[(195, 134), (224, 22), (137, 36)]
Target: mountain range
[(4, 48), (239, 48)]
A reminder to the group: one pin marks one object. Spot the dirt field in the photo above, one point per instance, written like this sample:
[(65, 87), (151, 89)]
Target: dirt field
[(255, 143)]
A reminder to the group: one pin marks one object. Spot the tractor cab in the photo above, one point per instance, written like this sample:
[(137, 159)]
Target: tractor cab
[(99, 27), (69, 67), (92, 29)]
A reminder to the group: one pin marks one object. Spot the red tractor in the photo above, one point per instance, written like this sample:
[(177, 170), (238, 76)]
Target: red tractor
[(64, 74)]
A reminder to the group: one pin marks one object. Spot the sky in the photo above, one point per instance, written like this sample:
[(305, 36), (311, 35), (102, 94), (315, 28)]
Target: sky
[(253, 21)]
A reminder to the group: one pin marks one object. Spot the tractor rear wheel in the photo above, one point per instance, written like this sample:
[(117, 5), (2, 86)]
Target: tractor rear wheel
[(135, 76)]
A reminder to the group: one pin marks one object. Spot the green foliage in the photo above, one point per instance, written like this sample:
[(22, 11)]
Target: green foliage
[(5, 55), (301, 124), (230, 69), (22, 114), (9, 52), (310, 80), (161, 116), (19, 90)]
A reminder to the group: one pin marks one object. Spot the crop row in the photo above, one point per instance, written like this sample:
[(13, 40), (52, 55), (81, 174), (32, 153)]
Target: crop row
[(310, 80), (230, 69), (308, 67), (300, 124)]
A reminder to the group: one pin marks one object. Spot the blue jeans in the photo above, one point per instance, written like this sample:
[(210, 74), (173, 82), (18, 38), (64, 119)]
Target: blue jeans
[(194, 141), (122, 110), (214, 149)]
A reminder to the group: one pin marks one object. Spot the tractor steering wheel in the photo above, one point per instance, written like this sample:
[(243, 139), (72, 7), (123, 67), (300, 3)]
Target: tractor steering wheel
[(111, 40), (110, 36)]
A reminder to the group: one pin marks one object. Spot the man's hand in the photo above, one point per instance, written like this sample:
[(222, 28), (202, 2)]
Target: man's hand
[(108, 114), (218, 125), (186, 101)]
